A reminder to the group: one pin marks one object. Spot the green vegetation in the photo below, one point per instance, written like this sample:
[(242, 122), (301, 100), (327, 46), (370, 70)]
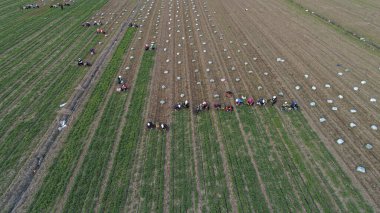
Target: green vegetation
[(294, 180), (38, 72), (333, 173), (216, 198), (120, 177), (88, 181), (152, 180), (182, 176), (56, 181), (246, 185), (31, 92)]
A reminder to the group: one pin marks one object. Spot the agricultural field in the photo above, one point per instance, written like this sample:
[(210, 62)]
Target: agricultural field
[(75, 138), (359, 17)]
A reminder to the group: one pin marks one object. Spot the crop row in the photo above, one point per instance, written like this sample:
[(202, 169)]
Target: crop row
[(116, 191), (56, 181), (9, 9), (24, 130), (320, 193), (265, 144), (332, 171), (246, 185), (32, 25), (43, 56), (46, 61), (216, 197), (44, 75), (302, 181), (88, 181), (291, 181), (25, 122), (152, 180), (182, 172), (43, 48)]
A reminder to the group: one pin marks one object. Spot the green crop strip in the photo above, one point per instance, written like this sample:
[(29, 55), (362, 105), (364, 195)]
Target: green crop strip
[(56, 181), (216, 198), (355, 201), (36, 109), (89, 179), (182, 182), (272, 171), (293, 166), (290, 181), (299, 169), (41, 48), (35, 113), (152, 183), (246, 185), (116, 192), (34, 22)]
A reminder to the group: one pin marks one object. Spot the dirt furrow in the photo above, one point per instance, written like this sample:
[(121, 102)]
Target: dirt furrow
[(170, 99)]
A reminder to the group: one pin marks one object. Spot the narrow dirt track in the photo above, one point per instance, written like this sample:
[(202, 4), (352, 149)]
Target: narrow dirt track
[(165, 109)]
